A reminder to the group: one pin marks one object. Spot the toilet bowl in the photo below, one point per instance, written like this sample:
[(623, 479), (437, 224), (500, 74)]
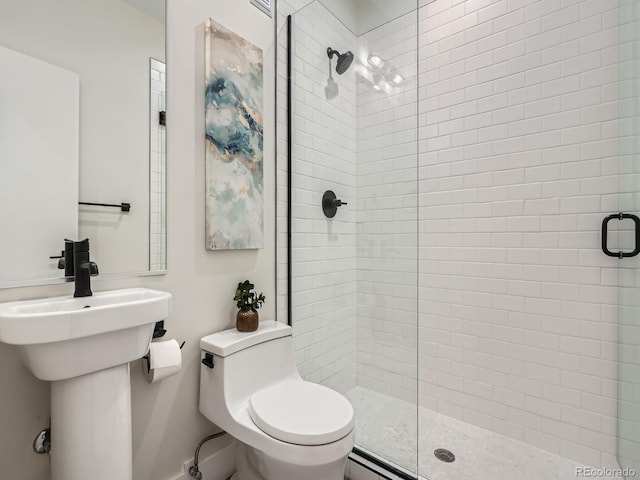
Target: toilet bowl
[(286, 428)]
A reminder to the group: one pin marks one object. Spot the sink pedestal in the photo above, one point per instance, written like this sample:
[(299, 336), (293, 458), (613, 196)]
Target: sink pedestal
[(91, 426)]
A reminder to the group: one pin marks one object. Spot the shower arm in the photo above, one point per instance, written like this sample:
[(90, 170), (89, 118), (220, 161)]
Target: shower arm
[(331, 52)]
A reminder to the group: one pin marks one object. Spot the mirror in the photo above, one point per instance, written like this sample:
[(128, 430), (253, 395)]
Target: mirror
[(82, 127)]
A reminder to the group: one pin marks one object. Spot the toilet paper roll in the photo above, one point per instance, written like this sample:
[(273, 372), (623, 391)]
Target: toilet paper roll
[(165, 359)]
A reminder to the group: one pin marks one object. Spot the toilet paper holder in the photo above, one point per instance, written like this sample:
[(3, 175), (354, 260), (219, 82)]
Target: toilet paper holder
[(159, 330), (146, 357)]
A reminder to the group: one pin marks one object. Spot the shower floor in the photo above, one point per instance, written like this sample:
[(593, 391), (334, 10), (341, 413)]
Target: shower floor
[(387, 426)]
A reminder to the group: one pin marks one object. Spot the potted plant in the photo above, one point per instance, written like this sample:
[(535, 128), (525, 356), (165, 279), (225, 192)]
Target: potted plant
[(248, 301)]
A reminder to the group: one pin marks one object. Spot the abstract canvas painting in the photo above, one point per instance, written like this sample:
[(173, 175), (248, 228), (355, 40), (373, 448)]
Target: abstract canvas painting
[(234, 141)]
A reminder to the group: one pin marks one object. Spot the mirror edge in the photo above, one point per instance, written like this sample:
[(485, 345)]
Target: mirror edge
[(98, 279)]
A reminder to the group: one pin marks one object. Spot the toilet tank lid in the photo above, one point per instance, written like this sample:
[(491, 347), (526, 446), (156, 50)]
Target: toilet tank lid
[(231, 341)]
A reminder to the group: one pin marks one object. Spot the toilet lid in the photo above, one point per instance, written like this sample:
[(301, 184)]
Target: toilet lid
[(302, 413)]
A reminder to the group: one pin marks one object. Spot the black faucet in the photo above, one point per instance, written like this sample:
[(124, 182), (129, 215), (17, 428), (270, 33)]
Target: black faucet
[(83, 268), (65, 259)]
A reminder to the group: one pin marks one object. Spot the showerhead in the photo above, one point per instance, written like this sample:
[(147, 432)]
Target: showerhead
[(344, 60)]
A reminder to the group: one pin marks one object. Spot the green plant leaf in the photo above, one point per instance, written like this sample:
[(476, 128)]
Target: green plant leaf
[(246, 296)]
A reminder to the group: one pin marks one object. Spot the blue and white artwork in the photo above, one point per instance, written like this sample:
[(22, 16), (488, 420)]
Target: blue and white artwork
[(234, 141)]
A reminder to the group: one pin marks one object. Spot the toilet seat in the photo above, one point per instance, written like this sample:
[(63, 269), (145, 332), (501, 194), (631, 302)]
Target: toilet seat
[(302, 413)]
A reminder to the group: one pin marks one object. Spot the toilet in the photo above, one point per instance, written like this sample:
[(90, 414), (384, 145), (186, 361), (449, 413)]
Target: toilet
[(286, 428)]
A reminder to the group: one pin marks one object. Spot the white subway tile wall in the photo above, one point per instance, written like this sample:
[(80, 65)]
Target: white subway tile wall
[(524, 144), (324, 158), (386, 212), (526, 140), (157, 169)]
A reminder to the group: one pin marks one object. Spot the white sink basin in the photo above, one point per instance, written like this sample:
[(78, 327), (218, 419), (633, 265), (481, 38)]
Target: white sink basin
[(65, 337)]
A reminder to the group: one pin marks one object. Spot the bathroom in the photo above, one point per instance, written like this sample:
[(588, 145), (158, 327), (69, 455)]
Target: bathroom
[(482, 298)]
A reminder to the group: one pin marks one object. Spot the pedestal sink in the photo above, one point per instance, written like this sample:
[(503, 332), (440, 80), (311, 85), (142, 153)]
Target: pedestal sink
[(84, 346)]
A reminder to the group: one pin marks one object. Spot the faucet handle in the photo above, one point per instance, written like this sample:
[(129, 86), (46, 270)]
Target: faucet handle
[(58, 256), (93, 269), (61, 260)]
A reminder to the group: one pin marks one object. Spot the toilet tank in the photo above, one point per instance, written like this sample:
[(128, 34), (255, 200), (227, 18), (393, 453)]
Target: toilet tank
[(244, 363)]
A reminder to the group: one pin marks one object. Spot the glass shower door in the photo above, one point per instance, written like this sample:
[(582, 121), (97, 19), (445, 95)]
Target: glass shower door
[(354, 266), (626, 238), (385, 396)]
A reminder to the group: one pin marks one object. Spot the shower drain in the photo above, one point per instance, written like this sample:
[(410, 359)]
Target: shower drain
[(444, 455)]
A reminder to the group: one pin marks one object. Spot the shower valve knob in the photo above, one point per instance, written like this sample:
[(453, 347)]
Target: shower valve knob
[(330, 204)]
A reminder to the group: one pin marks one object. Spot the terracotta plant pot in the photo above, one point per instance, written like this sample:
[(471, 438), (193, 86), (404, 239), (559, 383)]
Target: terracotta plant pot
[(247, 320)]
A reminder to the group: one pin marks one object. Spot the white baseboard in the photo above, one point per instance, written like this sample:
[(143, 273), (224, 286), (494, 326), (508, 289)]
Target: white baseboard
[(218, 466)]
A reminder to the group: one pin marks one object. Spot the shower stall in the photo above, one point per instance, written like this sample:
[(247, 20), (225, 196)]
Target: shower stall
[(458, 185)]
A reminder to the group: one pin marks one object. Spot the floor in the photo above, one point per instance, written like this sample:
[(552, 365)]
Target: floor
[(388, 427)]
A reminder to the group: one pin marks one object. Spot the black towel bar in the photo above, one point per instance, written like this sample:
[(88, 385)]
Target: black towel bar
[(124, 207)]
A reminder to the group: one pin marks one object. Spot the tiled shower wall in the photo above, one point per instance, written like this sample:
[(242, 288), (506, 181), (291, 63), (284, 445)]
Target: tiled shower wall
[(324, 251), (522, 153), (158, 169), (523, 146), (386, 207)]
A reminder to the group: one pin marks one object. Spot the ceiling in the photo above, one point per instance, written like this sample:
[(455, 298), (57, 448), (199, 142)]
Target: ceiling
[(360, 16), (153, 8)]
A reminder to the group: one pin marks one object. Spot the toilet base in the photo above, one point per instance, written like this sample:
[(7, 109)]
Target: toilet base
[(252, 464)]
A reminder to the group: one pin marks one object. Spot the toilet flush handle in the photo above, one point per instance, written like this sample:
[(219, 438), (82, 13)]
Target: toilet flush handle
[(208, 360)]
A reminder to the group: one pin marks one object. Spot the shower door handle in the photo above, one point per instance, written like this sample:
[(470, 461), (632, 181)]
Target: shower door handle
[(620, 216)]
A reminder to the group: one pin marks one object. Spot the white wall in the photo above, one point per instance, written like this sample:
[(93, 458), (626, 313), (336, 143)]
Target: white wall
[(324, 250), (108, 44), (524, 146), (166, 422)]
